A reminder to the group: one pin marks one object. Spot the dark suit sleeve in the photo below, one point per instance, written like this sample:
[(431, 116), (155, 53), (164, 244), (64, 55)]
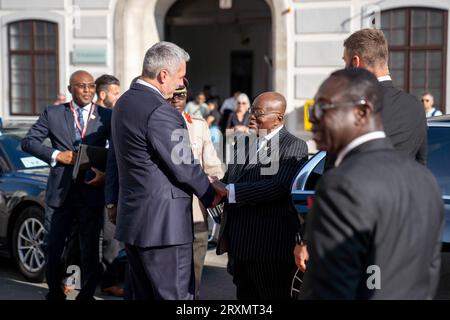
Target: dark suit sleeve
[(112, 177), (33, 141), (339, 237), (421, 155), (277, 186), (164, 125)]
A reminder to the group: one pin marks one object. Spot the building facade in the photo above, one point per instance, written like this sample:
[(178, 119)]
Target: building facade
[(288, 46)]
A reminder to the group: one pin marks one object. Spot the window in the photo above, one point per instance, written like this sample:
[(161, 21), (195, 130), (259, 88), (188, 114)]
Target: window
[(33, 66), (417, 50)]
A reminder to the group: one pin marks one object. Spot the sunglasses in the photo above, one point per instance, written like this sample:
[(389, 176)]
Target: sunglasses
[(179, 95), (318, 109)]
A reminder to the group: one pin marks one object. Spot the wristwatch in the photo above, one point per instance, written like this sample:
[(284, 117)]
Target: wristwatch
[(299, 239), (110, 205)]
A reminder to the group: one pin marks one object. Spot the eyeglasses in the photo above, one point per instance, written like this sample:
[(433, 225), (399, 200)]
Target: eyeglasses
[(318, 109), (425, 100), (241, 102), (258, 113), (179, 96), (83, 86)]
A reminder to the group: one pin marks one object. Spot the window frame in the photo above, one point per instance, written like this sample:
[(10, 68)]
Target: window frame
[(408, 48), (33, 53)]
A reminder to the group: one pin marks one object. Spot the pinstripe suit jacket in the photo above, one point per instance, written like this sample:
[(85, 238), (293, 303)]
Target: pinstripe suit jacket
[(261, 225)]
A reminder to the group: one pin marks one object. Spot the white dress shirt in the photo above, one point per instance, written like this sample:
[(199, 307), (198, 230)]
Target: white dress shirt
[(384, 78), (357, 142), (85, 113), (262, 142), (144, 83)]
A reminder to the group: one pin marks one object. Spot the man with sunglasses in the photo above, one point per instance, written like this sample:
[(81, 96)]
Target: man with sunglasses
[(374, 231), (67, 126), (428, 101), (259, 224), (205, 154)]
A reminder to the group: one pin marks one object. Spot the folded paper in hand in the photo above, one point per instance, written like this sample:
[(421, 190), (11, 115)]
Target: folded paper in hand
[(87, 157)]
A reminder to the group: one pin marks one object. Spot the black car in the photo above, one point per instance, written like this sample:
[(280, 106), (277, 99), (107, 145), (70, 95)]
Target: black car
[(23, 181), (438, 162)]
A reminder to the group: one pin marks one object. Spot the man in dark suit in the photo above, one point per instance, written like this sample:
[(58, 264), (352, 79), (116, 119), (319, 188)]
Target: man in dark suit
[(259, 223), (376, 223), (403, 117), (68, 125), (157, 179)]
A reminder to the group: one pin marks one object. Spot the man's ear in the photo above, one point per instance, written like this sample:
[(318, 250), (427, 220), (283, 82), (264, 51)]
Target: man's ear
[(69, 88), (163, 75), (356, 62), (362, 114), (102, 95), (280, 118)]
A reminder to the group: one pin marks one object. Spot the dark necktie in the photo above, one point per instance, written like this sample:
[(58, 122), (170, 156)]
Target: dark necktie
[(79, 130)]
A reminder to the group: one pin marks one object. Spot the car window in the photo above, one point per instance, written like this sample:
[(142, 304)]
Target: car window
[(19, 159), (316, 173), (439, 156)]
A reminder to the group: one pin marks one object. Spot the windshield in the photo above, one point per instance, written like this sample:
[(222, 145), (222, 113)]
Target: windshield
[(11, 150)]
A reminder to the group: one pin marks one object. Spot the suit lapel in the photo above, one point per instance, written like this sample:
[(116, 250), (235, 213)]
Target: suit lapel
[(70, 124), (92, 122)]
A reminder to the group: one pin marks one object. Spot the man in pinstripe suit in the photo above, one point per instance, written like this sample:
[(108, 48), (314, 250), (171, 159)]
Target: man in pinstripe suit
[(259, 225)]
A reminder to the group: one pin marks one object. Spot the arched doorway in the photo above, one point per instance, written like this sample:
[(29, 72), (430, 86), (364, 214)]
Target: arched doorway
[(231, 49), (138, 24)]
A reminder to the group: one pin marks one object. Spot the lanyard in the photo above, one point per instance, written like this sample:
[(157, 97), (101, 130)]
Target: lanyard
[(82, 132)]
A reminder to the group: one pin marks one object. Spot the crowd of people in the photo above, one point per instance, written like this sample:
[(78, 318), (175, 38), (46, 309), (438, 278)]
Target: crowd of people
[(164, 170)]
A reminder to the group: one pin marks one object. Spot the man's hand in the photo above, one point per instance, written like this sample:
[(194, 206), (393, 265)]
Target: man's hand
[(301, 256), (217, 200), (112, 214), (220, 188), (98, 180), (67, 157)]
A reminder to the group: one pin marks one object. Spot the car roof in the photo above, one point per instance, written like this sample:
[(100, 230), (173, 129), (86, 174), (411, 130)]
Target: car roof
[(440, 120)]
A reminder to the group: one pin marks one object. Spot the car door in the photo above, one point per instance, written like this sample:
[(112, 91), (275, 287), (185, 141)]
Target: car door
[(304, 184), (439, 163)]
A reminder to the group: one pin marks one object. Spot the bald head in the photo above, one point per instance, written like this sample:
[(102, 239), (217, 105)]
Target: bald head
[(267, 112), (273, 102), (77, 74), (82, 87)]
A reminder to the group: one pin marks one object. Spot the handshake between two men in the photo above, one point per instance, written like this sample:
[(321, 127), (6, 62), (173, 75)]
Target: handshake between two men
[(220, 190)]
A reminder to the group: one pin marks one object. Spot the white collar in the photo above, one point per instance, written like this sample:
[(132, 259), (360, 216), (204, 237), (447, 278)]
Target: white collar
[(84, 108), (357, 142), (384, 78), (272, 133), (264, 139), (145, 83)]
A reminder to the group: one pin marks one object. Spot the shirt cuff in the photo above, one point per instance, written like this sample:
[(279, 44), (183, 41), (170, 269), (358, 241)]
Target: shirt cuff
[(54, 155), (231, 193)]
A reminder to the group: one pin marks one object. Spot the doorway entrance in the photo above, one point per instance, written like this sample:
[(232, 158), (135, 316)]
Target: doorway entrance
[(230, 49)]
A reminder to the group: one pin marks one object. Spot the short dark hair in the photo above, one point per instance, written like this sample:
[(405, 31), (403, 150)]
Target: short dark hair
[(104, 81), (361, 84), (370, 45)]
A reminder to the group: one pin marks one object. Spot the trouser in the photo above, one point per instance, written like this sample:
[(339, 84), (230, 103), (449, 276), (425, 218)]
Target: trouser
[(58, 224), (263, 280), (110, 251), (200, 246), (160, 273)]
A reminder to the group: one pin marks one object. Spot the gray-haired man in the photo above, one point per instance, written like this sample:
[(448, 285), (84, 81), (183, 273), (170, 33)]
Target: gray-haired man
[(154, 216)]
